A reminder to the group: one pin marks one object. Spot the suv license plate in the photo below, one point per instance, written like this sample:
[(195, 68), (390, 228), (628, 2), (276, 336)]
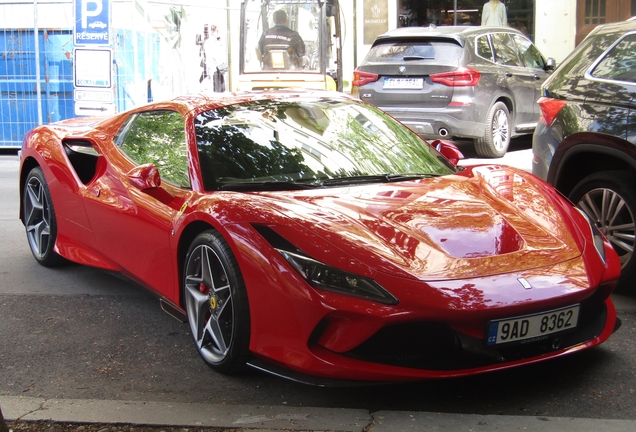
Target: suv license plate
[(403, 83), (535, 327)]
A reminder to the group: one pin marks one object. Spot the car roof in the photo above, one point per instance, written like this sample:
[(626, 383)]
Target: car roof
[(456, 33), (621, 26), (198, 102), (215, 100)]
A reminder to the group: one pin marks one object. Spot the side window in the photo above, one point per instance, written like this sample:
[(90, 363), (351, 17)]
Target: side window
[(620, 63), (505, 50), (158, 137), (529, 53), (483, 48)]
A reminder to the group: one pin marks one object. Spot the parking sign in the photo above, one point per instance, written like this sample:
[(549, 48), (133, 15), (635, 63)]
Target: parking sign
[(92, 22)]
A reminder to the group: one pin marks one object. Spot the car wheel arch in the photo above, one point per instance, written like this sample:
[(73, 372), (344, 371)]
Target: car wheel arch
[(27, 165), (510, 104), (497, 132), (507, 100), (504, 98), (579, 160), (187, 236)]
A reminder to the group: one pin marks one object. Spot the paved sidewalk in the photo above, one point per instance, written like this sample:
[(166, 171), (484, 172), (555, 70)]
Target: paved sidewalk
[(268, 418)]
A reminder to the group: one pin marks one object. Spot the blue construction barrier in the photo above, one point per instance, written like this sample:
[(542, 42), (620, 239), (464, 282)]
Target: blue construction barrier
[(135, 60), (18, 90)]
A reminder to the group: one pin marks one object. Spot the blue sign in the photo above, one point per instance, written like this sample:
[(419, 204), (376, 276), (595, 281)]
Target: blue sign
[(92, 22)]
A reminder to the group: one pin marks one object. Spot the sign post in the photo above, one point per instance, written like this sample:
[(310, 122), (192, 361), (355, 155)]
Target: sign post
[(92, 58)]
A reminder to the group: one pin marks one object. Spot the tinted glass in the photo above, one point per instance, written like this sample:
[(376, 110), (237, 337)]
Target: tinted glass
[(398, 52), (620, 62), (505, 50), (483, 48), (529, 53), (306, 142), (158, 137)]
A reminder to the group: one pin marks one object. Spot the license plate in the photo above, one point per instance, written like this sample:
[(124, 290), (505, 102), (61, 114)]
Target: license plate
[(403, 83), (532, 327)]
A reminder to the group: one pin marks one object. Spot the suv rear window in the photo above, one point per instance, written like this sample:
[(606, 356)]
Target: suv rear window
[(400, 51)]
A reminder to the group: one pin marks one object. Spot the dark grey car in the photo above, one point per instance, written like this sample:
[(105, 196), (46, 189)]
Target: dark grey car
[(456, 82), (585, 143)]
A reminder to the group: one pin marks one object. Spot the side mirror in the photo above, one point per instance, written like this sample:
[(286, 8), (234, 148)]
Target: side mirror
[(550, 64), (144, 177), (448, 150)]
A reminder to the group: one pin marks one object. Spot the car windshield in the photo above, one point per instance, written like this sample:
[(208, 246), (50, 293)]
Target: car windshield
[(400, 51), (306, 143)]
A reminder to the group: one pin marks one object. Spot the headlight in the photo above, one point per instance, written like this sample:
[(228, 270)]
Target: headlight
[(327, 278), (599, 238)]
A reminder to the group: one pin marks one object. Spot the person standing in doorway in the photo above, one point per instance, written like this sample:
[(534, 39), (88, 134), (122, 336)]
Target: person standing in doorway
[(213, 60), (494, 14)]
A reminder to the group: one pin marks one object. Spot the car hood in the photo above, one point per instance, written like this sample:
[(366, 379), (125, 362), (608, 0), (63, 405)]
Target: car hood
[(487, 220)]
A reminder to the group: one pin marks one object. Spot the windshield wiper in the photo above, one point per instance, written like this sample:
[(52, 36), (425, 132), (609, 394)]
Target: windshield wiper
[(266, 186), (378, 178)]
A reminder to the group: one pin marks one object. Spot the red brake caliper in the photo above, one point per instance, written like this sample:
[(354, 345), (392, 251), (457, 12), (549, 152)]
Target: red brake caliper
[(203, 288)]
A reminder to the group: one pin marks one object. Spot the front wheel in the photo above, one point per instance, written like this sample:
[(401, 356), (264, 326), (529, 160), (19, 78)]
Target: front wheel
[(496, 139), (216, 303), (609, 198), (39, 219)]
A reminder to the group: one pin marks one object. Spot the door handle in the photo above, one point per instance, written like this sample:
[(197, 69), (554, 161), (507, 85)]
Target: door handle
[(537, 77), (508, 74)]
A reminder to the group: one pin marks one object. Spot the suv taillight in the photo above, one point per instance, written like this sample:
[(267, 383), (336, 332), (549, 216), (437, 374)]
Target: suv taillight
[(460, 77), (549, 109), (361, 78)]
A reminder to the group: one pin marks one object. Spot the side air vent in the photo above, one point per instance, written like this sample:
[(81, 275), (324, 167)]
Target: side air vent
[(83, 158), (276, 240)]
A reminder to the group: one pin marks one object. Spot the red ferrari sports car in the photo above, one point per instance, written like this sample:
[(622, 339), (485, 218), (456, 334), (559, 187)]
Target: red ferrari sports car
[(310, 235)]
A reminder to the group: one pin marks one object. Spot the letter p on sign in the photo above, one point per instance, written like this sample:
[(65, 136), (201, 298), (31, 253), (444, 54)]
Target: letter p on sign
[(88, 11)]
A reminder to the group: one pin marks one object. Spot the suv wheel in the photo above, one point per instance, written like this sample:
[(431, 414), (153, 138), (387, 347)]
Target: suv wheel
[(609, 198), (494, 143)]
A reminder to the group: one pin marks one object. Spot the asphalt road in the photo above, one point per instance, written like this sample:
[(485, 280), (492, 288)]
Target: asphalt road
[(80, 333)]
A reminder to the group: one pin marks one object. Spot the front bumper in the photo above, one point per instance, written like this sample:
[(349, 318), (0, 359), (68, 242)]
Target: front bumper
[(405, 353)]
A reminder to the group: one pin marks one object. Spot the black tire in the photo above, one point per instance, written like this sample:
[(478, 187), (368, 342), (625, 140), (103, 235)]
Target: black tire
[(496, 139), (609, 198), (40, 220), (216, 303)]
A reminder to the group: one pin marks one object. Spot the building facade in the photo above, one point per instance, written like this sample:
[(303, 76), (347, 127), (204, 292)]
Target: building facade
[(157, 44)]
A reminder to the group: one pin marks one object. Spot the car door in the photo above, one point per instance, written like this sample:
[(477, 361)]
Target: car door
[(130, 213), (536, 69), (517, 78)]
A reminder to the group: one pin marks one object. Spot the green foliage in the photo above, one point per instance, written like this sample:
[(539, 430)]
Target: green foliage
[(159, 138)]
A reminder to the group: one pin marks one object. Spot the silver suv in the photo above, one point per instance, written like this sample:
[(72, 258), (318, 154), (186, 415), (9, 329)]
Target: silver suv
[(480, 83)]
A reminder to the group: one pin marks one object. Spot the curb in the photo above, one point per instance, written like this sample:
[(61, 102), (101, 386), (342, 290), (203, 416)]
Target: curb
[(271, 418), (179, 414)]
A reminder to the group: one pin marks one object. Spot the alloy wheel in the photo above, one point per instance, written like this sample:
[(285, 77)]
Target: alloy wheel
[(209, 304), (500, 130), (37, 217), (614, 219)]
